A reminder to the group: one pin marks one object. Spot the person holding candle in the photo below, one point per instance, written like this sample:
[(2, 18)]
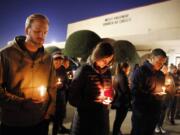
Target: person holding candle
[(170, 91), (68, 67), (122, 100), (178, 94), (27, 81), (173, 102), (62, 85), (146, 88), (91, 91)]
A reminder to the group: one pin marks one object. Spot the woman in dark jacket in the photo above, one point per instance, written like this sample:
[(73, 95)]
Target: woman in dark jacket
[(91, 92), (121, 101)]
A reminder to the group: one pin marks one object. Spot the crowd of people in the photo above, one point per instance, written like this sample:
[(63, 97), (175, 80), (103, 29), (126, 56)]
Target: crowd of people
[(36, 86)]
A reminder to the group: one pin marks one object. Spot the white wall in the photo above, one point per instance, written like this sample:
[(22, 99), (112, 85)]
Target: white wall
[(148, 27), (143, 20)]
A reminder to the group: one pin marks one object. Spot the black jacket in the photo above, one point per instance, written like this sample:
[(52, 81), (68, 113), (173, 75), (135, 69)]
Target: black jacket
[(121, 86), (92, 118), (145, 82)]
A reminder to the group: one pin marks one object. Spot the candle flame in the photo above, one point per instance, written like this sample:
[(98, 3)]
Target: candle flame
[(42, 90), (169, 81), (59, 81), (107, 101), (102, 92), (73, 72), (164, 89)]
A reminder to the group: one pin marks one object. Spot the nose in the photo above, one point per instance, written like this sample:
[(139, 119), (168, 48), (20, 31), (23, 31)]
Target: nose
[(42, 34), (105, 62)]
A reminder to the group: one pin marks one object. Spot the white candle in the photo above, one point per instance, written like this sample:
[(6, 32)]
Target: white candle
[(168, 81), (107, 101), (42, 90), (79, 59), (164, 89), (59, 81), (73, 72), (102, 92)]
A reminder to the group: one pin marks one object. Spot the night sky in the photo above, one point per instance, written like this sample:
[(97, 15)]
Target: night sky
[(13, 14)]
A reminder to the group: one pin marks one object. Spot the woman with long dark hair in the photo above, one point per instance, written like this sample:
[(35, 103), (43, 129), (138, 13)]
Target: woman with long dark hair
[(91, 92), (121, 101)]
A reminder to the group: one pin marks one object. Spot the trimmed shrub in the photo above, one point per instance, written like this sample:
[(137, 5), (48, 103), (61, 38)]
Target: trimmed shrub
[(125, 51), (52, 49), (81, 43)]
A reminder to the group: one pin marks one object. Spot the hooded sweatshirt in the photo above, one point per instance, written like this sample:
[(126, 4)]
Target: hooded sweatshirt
[(22, 76)]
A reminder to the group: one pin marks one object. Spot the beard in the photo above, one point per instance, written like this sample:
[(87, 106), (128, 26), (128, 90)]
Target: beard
[(36, 43)]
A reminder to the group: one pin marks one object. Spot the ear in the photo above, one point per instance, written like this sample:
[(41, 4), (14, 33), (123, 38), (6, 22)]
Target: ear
[(27, 30)]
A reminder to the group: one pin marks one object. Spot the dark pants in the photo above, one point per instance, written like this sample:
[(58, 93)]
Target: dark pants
[(164, 108), (144, 123), (172, 108), (39, 129), (57, 121), (91, 122), (60, 112), (162, 115), (119, 118)]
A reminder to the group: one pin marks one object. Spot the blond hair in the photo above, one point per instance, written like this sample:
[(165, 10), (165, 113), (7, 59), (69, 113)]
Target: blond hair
[(33, 17)]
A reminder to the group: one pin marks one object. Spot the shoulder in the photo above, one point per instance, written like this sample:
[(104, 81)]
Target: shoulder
[(82, 69), (85, 67), (140, 72), (8, 47)]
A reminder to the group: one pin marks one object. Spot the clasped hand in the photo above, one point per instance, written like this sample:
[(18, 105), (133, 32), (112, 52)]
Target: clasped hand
[(30, 103)]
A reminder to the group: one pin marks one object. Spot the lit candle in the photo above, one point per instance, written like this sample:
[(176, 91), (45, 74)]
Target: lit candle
[(59, 81), (102, 92), (107, 101), (164, 89), (79, 59), (168, 81), (73, 72), (42, 90)]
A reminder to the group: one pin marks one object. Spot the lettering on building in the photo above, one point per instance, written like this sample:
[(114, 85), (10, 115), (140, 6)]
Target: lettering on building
[(119, 19)]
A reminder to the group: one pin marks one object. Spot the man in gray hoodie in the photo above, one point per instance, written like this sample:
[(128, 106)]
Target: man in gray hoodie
[(27, 81)]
